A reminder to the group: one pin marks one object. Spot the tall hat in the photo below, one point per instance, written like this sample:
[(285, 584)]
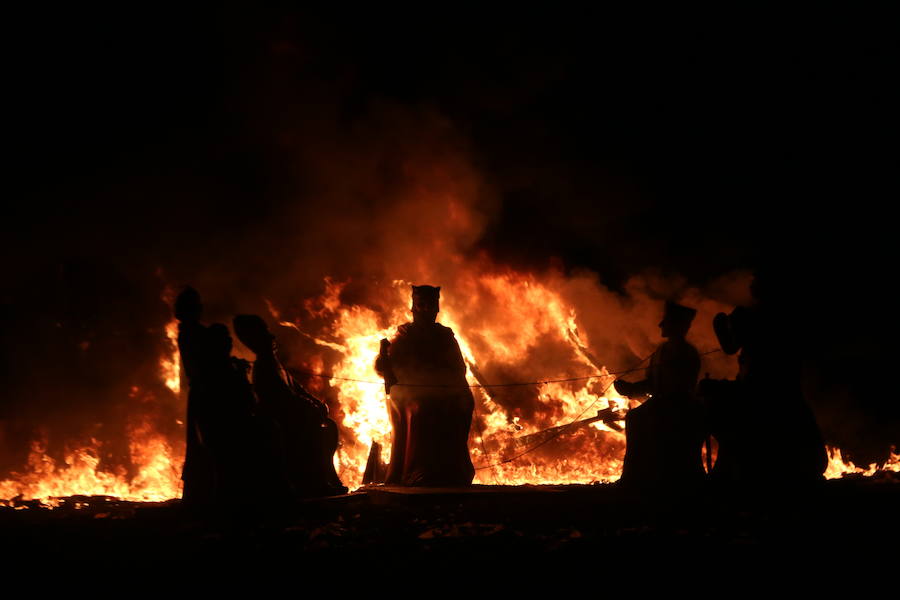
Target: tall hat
[(426, 293), (677, 313)]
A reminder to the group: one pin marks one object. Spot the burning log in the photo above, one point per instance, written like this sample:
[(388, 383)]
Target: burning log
[(608, 415)]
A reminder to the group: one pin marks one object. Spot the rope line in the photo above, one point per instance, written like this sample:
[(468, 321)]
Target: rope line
[(550, 438), (481, 439), (490, 385), (564, 427)]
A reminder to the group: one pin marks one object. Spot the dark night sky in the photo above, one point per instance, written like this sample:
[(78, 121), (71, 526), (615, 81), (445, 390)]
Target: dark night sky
[(709, 133), (690, 144)]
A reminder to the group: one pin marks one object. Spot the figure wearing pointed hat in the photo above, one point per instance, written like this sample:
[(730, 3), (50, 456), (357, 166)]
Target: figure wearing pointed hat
[(664, 435), (430, 403)]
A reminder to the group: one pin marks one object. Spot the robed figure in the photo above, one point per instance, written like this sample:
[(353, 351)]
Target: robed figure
[(227, 426), (664, 435), (295, 423), (430, 404), (198, 473), (761, 420), (219, 410)]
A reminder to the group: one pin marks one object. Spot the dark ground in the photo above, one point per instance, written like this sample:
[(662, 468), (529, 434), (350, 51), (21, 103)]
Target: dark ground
[(842, 523)]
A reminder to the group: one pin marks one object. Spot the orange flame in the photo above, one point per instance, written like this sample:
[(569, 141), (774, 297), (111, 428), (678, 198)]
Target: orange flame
[(838, 467), (589, 454), (157, 475), (156, 462), (169, 364), (504, 324)]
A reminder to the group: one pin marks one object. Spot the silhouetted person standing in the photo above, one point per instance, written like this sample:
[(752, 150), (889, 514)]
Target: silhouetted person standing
[(228, 423), (308, 438), (430, 404), (762, 422), (198, 473), (664, 435)]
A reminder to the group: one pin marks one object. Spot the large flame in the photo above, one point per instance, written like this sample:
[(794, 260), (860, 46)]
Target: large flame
[(537, 317), (511, 327), (155, 477), (154, 459)]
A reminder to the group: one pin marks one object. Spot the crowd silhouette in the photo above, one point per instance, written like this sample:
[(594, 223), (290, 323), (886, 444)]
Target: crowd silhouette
[(253, 431)]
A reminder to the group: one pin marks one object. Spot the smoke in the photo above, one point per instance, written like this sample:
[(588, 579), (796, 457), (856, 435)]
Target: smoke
[(295, 158), (366, 200)]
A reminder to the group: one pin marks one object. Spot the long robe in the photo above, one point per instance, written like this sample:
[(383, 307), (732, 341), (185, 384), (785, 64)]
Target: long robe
[(430, 408), (219, 420), (226, 428), (763, 423), (198, 473), (307, 437), (664, 434)]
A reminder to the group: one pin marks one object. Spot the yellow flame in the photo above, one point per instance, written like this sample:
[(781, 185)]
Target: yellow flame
[(838, 467), (170, 363), (157, 478), (537, 315)]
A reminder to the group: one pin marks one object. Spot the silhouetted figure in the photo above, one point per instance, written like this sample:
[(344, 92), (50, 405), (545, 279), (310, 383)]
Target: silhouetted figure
[(664, 435), (763, 425), (299, 420), (198, 473), (430, 403), (229, 422)]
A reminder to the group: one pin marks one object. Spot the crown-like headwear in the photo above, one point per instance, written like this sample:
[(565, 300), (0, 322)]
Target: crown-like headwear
[(427, 293), (679, 314)]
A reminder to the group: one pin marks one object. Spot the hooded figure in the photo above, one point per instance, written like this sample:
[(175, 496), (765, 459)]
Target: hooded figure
[(664, 435), (430, 403)]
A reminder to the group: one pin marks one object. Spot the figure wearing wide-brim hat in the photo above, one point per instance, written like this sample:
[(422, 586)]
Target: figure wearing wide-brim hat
[(664, 435), (770, 374)]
